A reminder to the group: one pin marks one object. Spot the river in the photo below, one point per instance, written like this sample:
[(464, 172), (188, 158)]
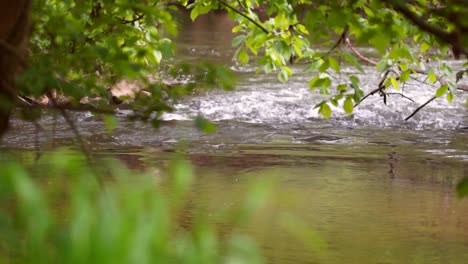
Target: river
[(371, 187)]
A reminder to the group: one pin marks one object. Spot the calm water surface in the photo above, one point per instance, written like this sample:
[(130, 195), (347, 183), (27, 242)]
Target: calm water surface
[(369, 188)]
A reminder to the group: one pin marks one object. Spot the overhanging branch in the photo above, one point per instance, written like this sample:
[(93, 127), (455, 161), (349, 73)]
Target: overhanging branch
[(246, 16), (446, 37), (442, 81)]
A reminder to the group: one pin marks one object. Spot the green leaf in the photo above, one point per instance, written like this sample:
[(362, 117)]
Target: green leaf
[(111, 122), (302, 29), (358, 94), (283, 76), (342, 88), (205, 125), (432, 77), (354, 80), (318, 82), (424, 47), (167, 48), (157, 55), (315, 64), (334, 64), (237, 28), (403, 66), (404, 76), (382, 66), (238, 40), (194, 14), (243, 57), (380, 41), (450, 97), (400, 53), (395, 83), (268, 67), (452, 86), (324, 67), (348, 105), (325, 110), (442, 90)]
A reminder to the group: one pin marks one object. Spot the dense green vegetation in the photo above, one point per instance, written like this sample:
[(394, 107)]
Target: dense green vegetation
[(79, 51), (84, 49), (70, 217)]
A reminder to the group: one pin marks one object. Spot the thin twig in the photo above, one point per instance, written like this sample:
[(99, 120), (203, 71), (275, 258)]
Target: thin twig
[(402, 95), (246, 16), (342, 39), (138, 17), (380, 89), (358, 54), (420, 107), (241, 5), (367, 95)]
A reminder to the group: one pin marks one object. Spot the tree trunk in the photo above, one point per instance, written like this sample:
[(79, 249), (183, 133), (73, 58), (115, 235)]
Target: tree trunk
[(14, 29)]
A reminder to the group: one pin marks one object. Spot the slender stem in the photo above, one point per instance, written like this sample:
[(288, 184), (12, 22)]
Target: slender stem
[(137, 18), (358, 54), (420, 107), (402, 95), (244, 15), (241, 5)]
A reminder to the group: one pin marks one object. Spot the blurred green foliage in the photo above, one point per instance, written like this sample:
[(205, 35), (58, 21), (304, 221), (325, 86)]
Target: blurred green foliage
[(69, 217)]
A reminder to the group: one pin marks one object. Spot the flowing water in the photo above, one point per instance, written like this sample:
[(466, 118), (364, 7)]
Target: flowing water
[(368, 188)]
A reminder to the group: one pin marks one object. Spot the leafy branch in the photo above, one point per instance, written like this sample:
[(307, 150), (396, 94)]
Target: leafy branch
[(245, 16), (440, 79), (138, 17), (451, 38)]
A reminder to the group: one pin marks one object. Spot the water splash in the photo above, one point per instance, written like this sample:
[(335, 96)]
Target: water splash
[(262, 99)]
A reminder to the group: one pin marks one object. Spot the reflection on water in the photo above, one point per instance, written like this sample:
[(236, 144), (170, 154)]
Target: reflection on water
[(374, 188), (372, 203)]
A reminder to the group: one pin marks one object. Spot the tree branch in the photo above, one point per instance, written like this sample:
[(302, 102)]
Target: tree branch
[(440, 79), (246, 16), (402, 95), (420, 107), (446, 37), (138, 17), (342, 39), (358, 54)]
